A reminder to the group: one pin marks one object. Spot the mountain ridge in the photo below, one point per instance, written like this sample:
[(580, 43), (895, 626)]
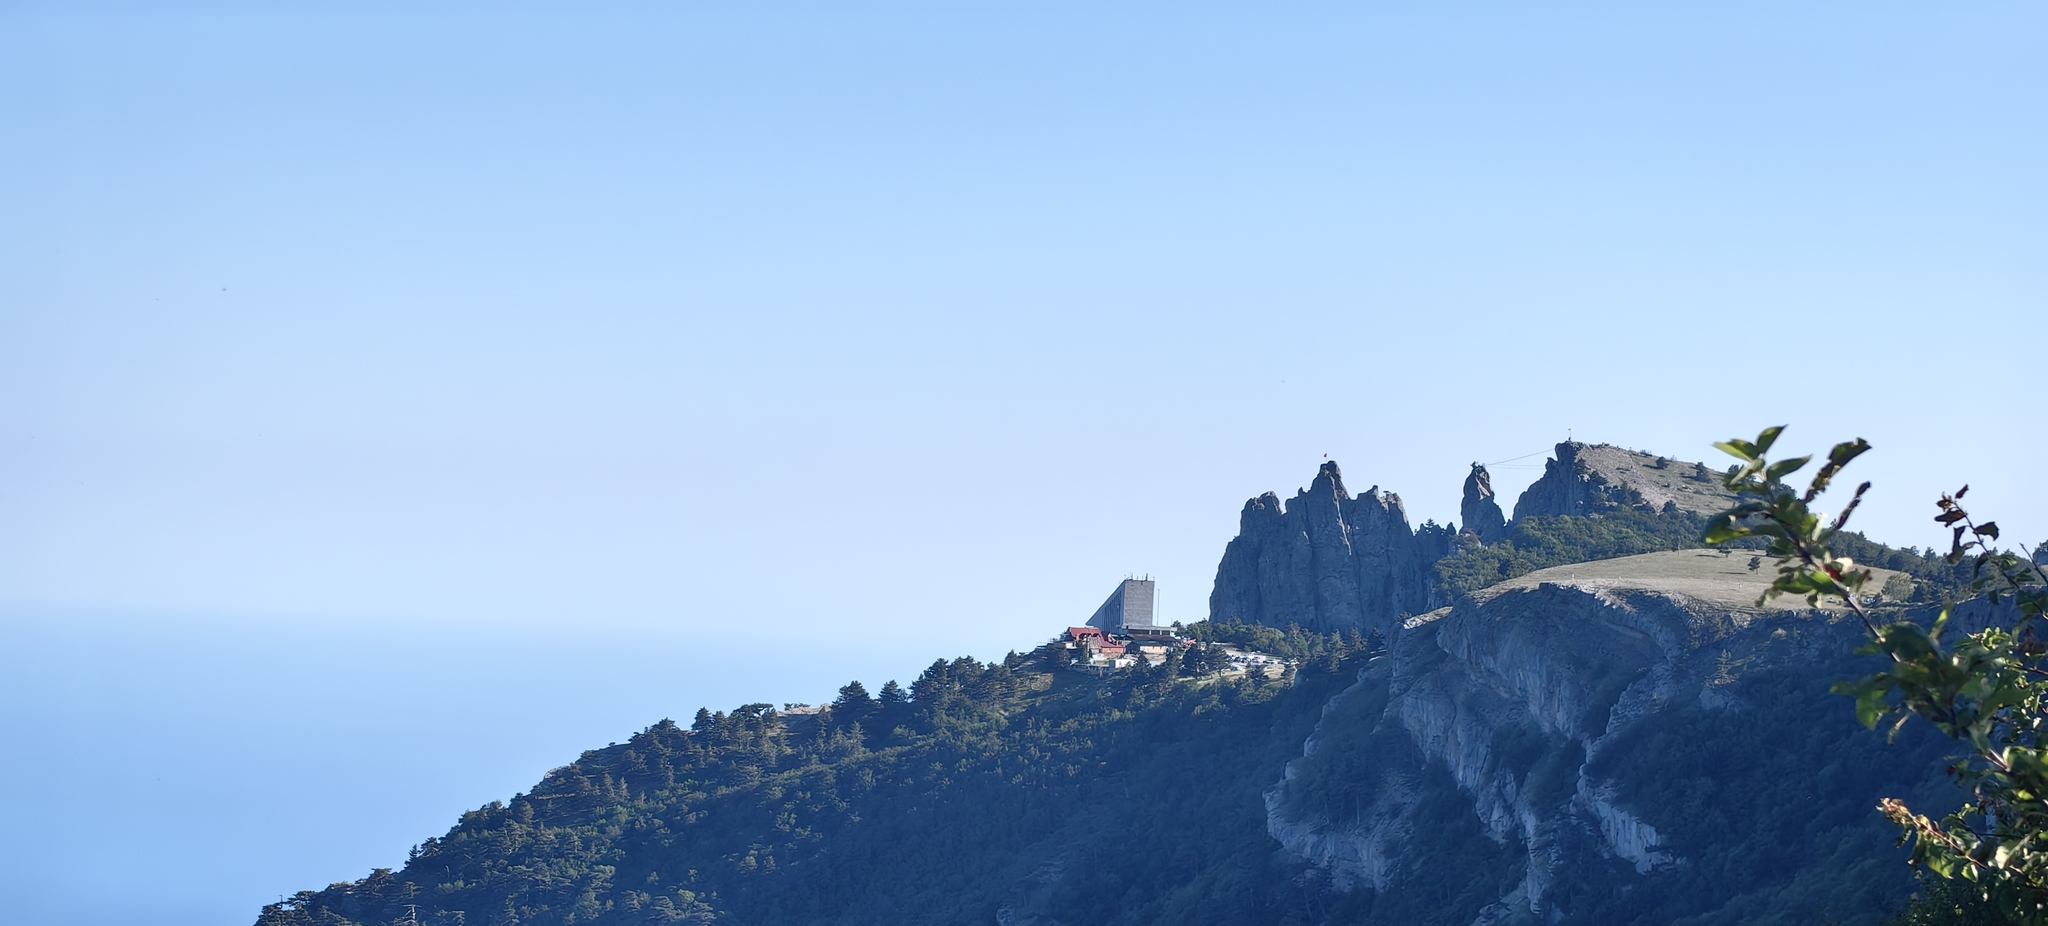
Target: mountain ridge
[(1472, 739), (1329, 562)]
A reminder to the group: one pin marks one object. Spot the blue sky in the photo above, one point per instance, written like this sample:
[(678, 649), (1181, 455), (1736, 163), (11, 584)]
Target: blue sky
[(785, 330)]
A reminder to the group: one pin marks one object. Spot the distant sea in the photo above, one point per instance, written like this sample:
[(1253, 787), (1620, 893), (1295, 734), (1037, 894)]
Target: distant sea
[(183, 770)]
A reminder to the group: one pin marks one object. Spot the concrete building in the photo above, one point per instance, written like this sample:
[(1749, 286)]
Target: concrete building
[(1129, 608)]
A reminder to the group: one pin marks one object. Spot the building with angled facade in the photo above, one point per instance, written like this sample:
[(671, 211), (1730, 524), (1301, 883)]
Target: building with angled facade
[(1128, 609)]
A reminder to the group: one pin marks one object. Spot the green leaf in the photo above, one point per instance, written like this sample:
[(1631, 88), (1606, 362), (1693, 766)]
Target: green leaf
[(1870, 698), (1767, 438), (1941, 865), (1783, 468), (1739, 449), (1722, 529), (1846, 451), (1746, 470), (1837, 458)]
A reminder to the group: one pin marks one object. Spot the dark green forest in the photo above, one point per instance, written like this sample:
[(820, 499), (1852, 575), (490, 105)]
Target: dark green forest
[(1131, 799), (1135, 798)]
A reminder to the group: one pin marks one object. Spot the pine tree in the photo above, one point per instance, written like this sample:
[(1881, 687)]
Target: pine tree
[(853, 706)]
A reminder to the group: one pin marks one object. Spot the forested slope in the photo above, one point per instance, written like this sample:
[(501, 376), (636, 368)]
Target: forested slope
[(998, 789), (1000, 793), (1706, 776)]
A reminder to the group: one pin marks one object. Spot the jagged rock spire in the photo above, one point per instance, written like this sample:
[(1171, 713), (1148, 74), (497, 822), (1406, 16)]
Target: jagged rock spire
[(1481, 514), (1327, 561)]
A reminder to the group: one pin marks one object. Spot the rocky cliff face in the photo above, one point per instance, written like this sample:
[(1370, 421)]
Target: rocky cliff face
[(1527, 713), (1566, 487), (1327, 561), (1481, 514)]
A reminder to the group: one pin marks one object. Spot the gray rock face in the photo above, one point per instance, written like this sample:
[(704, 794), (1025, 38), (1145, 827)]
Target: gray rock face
[(1568, 666), (1565, 489), (1481, 514), (1514, 699), (1327, 561)]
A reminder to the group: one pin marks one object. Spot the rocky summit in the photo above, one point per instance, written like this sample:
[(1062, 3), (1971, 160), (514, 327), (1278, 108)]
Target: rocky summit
[(1327, 561), (1588, 479)]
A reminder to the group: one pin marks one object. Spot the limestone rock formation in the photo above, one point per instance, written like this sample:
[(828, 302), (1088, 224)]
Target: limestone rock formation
[(1481, 514), (1327, 561), (1561, 664), (1524, 708), (1565, 489)]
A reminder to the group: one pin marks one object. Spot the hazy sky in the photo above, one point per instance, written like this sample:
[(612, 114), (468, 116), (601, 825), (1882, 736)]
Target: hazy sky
[(812, 327)]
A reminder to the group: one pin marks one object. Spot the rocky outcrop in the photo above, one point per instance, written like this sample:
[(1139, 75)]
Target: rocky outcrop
[(1480, 513), (1327, 561), (1588, 479), (1022, 906), (1566, 487), (1510, 701)]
